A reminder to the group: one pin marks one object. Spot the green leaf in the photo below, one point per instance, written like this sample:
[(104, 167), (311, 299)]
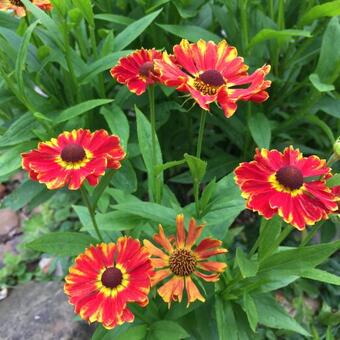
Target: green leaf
[(117, 19), (225, 205), (134, 30), (192, 33), (111, 221), (162, 330), (101, 65), (269, 34), (319, 85), (150, 211), (134, 333), (86, 8), (272, 315), (21, 60), (334, 181), (247, 267), (251, 311), (260, 129), (45, 20), (79, 109), (207, 194), (328, 9), (20, 131), (168, 165), (197, 167), (126, 178), (320, 275), (269, 232), (10, 159), (328, 105), (8, 21), (62, 243), (328, 67), (118, 123), (322, 125), (23, 195), (297, 259), (225, 319), (145, 144)]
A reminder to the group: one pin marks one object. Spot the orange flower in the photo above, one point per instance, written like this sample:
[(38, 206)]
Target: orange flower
[(183, 263), (73, 157), (212, 73), (19, 9), (106, 277), (136, 71), (277, 183)]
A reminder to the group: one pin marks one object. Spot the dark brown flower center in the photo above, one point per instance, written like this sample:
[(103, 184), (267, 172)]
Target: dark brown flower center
[(290, 176), (212, 77), (146, 68), (17, 2), (209, 82), (72, 153), (112, 277), (182, 262)]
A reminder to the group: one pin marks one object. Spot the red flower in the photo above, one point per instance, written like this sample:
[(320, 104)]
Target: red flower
[(108, 276), (19, 9), (73, 157), (136, 70), (212, 73), (283, 183), (182, 263)]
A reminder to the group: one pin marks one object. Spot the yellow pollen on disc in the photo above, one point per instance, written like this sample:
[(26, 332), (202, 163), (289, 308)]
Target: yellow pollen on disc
[(182, 262), (209, 82)]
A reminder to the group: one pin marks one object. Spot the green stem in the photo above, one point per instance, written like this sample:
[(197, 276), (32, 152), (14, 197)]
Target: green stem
[(271, 9), (101, 87), (244, 24), (103, 184), (201, 133), (284, 233), (87, 202), (311, 234), (198, 155), (67, 51), (155, 187), (254, 247)]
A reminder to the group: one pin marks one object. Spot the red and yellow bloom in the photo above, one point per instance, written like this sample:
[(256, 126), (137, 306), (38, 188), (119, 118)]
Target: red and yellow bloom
[(287, 184), (108, 276), (182, 263), (212, 73), (136, 71), (73, 157), (19, 9)]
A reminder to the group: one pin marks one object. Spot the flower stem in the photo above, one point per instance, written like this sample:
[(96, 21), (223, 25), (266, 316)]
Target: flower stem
[(87, 202), (155, 186), (101, 88), (254, 247), (201, 133), (67, 51), (284, 233), (306, 240)]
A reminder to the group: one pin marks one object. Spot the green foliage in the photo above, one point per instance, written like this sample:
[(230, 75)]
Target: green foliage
[(62, 243)]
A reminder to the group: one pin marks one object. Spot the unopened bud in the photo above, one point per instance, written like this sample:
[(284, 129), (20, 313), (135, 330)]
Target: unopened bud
[(336, 148)]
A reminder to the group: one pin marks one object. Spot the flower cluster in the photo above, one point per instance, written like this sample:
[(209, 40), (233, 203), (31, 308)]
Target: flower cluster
[(107, 277), (208, 72)]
